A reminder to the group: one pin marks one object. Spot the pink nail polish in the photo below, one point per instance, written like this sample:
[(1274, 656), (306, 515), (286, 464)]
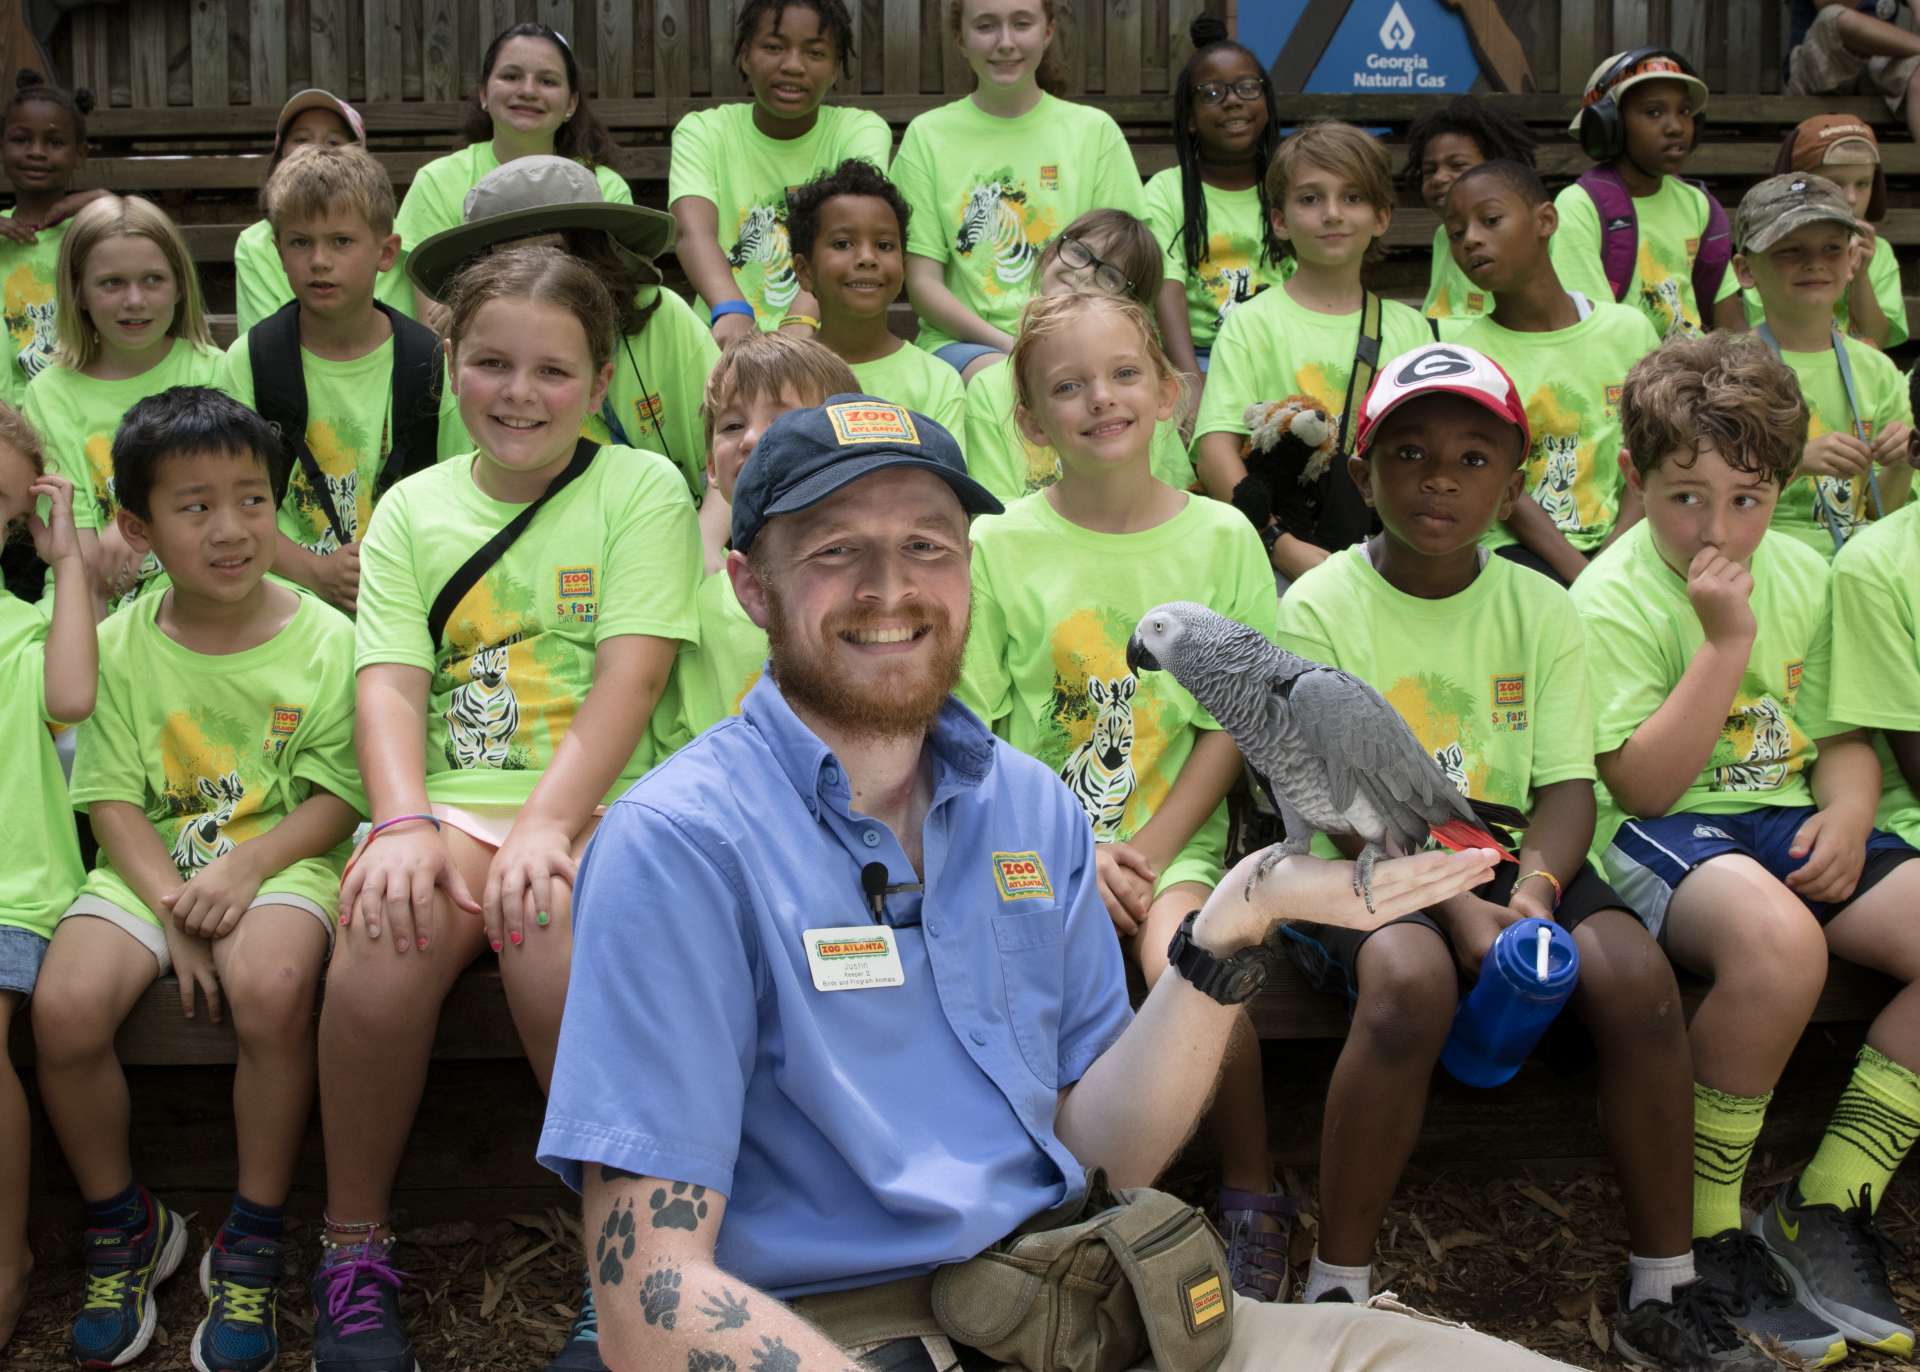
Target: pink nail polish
[(496, 945), (423, 943), (515, 936)]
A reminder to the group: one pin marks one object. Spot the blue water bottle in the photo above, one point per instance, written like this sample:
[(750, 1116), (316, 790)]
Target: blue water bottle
[(1527, 976)]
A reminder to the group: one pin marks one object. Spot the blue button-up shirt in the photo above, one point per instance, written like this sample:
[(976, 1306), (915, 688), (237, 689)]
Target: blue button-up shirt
[(857, 1135)]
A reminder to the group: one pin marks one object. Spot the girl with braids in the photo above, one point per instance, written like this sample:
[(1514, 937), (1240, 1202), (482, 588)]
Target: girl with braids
[(43, 142), (1462, 133), (1210, 212), (529, 101)]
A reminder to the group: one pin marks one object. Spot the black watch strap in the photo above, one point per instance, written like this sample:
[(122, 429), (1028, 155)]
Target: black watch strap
[(1232, 980)]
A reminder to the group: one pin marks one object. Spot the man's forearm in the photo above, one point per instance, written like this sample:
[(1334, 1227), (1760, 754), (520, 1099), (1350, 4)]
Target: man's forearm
[(670, 1314)]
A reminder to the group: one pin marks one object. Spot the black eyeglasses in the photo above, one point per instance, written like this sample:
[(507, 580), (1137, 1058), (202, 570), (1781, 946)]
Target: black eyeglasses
[(1213, 92), (1105, 275)]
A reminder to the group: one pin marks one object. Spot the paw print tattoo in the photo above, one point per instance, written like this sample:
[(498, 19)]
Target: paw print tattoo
[(615, 1247), (684, 1211), (774, 1356), (725, 1311), (660, 1297), (710, 1362)]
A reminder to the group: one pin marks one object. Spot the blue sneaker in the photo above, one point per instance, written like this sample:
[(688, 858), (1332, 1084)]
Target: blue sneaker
[(241, 1332), (581, 1353), (356, 1306), (116, 1322)]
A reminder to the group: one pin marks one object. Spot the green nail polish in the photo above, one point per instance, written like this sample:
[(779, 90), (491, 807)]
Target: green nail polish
[(543, 919)]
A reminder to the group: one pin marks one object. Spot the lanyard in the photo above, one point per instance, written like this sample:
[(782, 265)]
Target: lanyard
[(1822, 502)]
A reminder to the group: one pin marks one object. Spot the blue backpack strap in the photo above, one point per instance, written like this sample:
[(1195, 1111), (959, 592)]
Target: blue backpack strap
[(1619, 225), (1715, 252)]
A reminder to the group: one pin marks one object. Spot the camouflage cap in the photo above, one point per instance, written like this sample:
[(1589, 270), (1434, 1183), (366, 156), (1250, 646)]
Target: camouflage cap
[(1780, 204)]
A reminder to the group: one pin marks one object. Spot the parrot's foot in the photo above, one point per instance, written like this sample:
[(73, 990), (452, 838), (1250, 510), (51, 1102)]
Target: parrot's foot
[(1274, 856), (1363, 874)]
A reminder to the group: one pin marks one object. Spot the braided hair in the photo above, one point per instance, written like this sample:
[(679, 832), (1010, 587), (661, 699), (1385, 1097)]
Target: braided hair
[(1209, 34)]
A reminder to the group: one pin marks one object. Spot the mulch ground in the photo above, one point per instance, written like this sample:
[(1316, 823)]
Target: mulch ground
[(1534, 1260)]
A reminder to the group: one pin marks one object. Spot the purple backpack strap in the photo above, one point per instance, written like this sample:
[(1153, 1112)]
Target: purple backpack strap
[(1619, 226), (1710, 262)]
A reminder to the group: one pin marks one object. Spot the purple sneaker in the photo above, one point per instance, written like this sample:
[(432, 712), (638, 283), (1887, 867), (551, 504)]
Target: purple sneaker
[(356, 1306)]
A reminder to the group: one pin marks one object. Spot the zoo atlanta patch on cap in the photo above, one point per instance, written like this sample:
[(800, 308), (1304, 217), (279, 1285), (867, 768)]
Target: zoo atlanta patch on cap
[(869, 421)]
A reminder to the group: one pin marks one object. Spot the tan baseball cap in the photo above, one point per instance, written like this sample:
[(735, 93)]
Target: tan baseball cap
[(316, 99), (1780, 204), (1657, 66)]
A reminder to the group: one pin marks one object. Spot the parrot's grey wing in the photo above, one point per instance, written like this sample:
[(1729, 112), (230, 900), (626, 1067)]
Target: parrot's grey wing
[(1370, 752)]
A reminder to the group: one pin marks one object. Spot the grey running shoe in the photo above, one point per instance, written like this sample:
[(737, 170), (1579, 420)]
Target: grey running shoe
[(1759, 1298), (1837, 1262), (1694, 1332)]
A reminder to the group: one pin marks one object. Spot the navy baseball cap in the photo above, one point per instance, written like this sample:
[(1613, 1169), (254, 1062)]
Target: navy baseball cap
[(807, 455)]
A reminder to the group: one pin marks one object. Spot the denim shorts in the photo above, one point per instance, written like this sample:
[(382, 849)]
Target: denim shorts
[(21, 953), (960, 356)]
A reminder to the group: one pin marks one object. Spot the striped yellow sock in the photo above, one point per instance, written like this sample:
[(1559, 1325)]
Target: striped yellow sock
[(1724, 1130), (1874, 1125)]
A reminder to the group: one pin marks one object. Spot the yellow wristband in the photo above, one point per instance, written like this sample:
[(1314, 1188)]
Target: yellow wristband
[(1551, 879), (806, 319)]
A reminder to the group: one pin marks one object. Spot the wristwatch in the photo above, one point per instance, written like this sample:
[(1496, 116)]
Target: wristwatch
[(1231, 980), (1270, 535)]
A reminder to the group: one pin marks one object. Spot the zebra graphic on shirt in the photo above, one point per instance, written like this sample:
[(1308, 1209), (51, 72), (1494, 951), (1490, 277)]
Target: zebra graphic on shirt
[(1554, 493), (1453, 762), (483, 714), (1233, 287), (993, 214), (39, 335), (1761, 733), (201, 840), (343, 492), (763, 239), (1099, 771)]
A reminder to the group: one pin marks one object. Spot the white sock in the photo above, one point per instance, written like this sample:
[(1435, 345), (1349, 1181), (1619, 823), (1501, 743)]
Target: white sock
[(1655, 1278), (1324, 1276)]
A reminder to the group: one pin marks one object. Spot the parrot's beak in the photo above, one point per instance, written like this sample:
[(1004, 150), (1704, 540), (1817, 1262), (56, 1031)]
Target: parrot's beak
[(1138, 658)]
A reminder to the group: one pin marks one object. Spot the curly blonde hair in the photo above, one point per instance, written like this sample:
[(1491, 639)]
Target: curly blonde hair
[(76, 341), (1729, 390)]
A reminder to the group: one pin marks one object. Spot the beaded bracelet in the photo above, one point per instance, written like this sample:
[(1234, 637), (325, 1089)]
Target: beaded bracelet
[(1558, 893)]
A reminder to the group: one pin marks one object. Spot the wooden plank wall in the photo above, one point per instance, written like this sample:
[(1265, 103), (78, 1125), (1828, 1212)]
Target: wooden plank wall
[(215, 53), (1737, 45)]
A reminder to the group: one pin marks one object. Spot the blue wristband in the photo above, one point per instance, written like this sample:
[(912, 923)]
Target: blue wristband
[(726, 307)]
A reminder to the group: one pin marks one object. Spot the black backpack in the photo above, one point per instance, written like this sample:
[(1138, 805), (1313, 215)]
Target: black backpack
[(280, 395)]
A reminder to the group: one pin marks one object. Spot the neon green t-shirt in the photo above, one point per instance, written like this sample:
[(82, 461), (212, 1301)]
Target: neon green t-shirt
[(721, 156), (1053, 607), (1882, 391), (1641, 634), (29, 277), (1451, 293), (217, 749), (77, 416), (617, 552), (1671, 222), (44, 870), (260, 282), (437, 199), (1271, 348), (711, 677), (915, 378), (1492, 681), (1000, 458), (1231, 270), (1876, 650), (1883, 274), (1570, 381), (988, 194), (659, 375), (349, 433)]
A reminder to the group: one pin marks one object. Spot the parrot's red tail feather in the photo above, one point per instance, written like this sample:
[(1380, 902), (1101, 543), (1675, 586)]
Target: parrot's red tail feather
[(1458, 835)]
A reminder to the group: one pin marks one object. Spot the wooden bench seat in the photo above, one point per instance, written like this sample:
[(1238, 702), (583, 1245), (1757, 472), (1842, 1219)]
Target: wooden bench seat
[(475, 1025)]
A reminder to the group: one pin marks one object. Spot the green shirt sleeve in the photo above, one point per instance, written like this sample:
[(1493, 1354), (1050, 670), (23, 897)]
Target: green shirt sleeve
[(996, 454), (107, 761), (260, 281), (1628, 676), (390, 620), (1575, 246), (690, 166), (326, 759), (1117, 182), (912, 173), (1562, 725), (870, 139), (986, 679), (1231, 378), (1883, 274), (652, 565), (236, 377), (1876, 651)]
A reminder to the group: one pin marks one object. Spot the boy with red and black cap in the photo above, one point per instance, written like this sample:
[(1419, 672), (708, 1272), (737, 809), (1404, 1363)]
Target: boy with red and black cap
[(1630, 229), (1485, 661), (310, 118)]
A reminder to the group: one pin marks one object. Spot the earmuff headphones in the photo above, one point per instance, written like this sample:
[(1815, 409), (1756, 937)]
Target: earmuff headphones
[(1603, 132)]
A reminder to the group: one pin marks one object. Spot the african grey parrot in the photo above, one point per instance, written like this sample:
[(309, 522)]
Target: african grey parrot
[(1332, 755)]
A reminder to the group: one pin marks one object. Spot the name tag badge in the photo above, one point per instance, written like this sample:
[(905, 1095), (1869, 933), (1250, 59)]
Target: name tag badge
[(853, 957)]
